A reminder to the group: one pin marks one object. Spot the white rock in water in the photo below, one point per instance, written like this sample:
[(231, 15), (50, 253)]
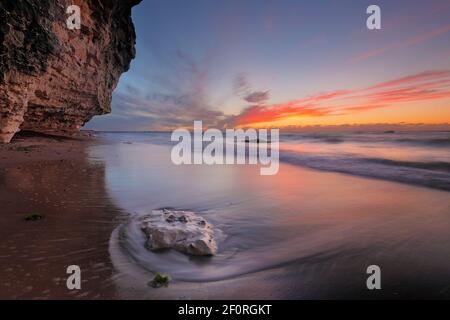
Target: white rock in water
[(183, 231)]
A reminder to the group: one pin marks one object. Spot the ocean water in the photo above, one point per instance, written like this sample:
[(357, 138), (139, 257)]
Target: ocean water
[(375, 199), (339, 203), (419, 158)]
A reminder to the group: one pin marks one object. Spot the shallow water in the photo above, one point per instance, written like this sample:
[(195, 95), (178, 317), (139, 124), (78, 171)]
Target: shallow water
[(301, 233), (420, 158), (295, 218)]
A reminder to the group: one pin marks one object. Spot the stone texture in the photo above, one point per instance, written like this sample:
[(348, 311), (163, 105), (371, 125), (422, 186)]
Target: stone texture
[(52, 79), (183, 231)]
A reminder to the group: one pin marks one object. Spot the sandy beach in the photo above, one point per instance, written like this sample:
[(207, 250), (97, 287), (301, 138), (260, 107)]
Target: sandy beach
[(50, 176), (224, 150), (300, 234)]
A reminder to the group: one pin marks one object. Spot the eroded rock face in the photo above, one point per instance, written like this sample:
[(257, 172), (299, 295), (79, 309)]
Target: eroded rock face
[(183, 231), (53, 79)]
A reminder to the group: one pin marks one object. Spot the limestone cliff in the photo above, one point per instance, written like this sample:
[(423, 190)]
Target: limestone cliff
[(53, 79)]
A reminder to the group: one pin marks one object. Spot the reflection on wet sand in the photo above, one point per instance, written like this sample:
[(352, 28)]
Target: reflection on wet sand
[(78, 221), (298, 234)]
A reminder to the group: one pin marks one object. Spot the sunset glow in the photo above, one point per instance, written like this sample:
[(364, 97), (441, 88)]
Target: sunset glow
[(290, 65), (426, 95)]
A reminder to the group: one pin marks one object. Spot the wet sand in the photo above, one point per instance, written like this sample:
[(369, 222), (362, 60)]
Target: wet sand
[(301, 234), (51, 176)]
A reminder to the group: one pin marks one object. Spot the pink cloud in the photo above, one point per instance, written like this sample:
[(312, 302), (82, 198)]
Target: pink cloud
[(424, 86), (410, 42)]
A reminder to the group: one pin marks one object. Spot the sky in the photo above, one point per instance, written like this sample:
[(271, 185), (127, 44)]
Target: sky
[(284, 64)]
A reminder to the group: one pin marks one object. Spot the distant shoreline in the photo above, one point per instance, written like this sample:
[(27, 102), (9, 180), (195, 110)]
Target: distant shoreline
[(354, 128)]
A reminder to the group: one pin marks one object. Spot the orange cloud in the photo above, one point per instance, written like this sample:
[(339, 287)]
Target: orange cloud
[(425, 86), (423, 76), (256, 114)]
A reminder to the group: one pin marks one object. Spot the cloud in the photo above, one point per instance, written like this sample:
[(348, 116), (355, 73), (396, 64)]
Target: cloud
[(257, 97), (240, 85), (415, 78), (407, 43), (259, 114), (179, 106), (244, 90), (179, 97), (165, 111), (424, 86)]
